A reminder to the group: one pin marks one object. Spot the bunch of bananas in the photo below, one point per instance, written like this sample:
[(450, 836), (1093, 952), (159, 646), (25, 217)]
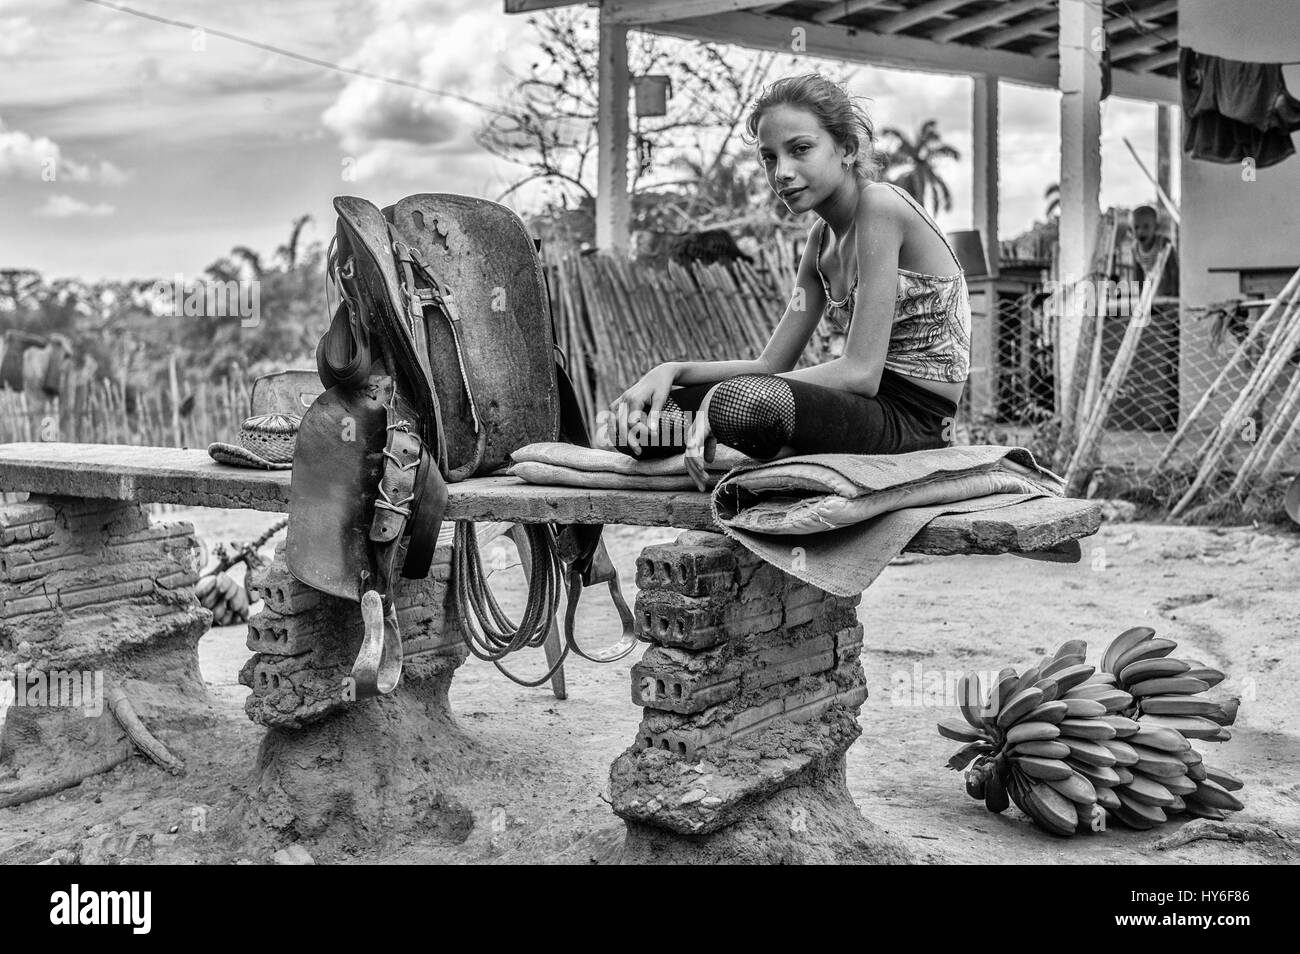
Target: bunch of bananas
[(1168, 704), (1071, 745), (227, 599)]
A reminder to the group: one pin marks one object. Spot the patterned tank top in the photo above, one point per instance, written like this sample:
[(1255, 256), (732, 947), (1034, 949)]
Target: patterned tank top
[(930, 334)]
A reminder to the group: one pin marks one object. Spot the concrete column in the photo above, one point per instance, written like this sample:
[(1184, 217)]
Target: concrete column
[(1082, 39), (984, 320), (1165, 148), (613, 208)]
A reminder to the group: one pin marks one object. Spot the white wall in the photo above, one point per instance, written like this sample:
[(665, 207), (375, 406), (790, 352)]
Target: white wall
[(1228, 221)]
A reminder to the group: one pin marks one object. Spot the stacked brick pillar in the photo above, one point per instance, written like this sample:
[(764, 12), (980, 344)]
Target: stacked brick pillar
[(341, 773), (750, 690), (92, 593), (304, 642)]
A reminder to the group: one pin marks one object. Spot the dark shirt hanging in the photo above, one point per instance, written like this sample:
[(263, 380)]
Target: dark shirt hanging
[(1234, 110)]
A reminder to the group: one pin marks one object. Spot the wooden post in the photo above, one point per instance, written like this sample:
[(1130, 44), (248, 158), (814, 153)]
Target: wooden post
[(984, 325), (613, 207), (1081, 41)]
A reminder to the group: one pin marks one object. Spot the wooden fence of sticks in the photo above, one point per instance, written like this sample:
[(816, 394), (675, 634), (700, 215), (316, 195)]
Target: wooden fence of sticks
[(98, 411), (615, 318)]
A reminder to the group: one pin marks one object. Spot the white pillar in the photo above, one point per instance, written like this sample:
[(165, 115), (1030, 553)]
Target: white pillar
[(613, 209), (984, 298), (1082, 39)]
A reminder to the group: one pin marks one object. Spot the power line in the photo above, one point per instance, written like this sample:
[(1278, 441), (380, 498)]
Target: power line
[(364, 74)]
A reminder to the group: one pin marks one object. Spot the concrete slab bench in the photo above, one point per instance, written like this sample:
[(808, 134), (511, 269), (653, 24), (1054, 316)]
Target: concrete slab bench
[(750, 687)]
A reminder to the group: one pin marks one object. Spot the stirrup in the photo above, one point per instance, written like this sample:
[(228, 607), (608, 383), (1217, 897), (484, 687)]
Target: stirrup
[(378, 667)]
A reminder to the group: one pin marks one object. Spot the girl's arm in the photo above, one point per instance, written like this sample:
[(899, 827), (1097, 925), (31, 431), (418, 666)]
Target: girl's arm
[(880, 236), (802, 312)]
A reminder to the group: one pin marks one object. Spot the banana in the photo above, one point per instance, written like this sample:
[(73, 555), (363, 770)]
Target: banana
[(1101, 679), (1226, 780), (1207, 674), (225, 585), (1044, 748), (1198, 808), (1041, 768), (1060, 664), (1052, 810), (969, 693), (1123, 643), (1027, 679), (1190, 727), (1052, 712), (1086, 750), (1113, 699), (1223, 735), (1124, 753), (1083, 709), (1125, 774), (1151, 668), (1178, 705), (1189, 756), (206, 591), (1123, 726), (1226, 712), (1000, 692), (1074, 676), (1032, 732), (1101, 776), (1168, 685), (1105, 797), (957, 730), (1086, 729), (1131, 818), (1198, 773), (1150, 649), (1179, 785), (1176, 806), (1146, 790), (995, 793), (1211, 793), (1151, 813), (1049, 688), (1154, 762), (1071, 647), (1158, 737), (1018, 706), (1076, 788)]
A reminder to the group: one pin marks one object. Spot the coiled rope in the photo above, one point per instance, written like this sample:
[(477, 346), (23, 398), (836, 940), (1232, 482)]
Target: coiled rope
[(487, 630)]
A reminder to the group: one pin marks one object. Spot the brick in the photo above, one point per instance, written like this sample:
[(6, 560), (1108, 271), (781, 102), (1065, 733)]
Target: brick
[(671, 619), (691, 571)]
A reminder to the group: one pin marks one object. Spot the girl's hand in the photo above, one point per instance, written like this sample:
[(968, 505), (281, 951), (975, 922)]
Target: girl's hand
[(701, 445), (641, 402)]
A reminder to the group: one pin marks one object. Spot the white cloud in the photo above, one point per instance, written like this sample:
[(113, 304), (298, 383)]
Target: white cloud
[(438, 45), (23, 156), (66, 207)]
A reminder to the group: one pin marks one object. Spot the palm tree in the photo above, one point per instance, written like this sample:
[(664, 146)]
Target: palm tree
[(1053, 197), (910, 164)]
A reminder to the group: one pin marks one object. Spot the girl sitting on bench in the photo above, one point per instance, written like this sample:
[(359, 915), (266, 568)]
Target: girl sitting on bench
[(874, 264)]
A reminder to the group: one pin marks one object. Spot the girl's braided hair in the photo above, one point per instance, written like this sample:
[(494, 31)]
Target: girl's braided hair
[(836, 112)]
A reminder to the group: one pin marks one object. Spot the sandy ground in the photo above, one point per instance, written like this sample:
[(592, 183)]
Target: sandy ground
[(1227, 595)]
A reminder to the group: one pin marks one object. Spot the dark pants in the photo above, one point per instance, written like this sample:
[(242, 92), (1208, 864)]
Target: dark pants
[(901, 417)]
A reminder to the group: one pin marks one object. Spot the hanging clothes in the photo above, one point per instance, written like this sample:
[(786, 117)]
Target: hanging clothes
[(1234, 110)]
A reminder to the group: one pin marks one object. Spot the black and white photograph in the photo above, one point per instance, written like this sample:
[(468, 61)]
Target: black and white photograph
[(650, 433)]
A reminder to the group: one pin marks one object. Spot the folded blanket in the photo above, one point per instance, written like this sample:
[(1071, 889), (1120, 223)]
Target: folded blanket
[(568, 465), (852, 514)]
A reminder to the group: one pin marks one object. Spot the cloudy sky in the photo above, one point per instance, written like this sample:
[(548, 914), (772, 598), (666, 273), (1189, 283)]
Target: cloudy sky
[(131, 148)]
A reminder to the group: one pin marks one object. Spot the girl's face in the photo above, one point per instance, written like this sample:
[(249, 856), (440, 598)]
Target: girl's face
[(804, 164)]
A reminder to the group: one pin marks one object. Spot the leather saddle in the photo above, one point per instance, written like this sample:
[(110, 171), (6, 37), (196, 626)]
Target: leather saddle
[(438, 362)]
